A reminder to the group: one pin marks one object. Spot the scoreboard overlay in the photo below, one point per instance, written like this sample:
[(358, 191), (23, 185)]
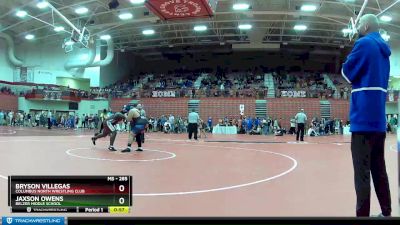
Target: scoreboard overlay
[(70, 194)]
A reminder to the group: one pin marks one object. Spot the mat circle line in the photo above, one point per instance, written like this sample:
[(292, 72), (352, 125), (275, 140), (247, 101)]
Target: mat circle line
[(171, 156), (291, 169), (9, 133)]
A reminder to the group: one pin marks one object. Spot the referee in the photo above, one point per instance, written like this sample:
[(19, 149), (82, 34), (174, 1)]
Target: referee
[(193, 120), (301, 119)]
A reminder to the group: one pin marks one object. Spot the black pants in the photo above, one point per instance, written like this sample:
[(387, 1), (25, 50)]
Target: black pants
[(300, 131), (292, 130), (139, 140), (48, 123), (193, 127), (367, 149)]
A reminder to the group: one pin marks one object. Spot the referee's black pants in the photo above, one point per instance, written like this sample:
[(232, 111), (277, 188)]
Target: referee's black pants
[(48, 123), (192, 128), (367, 149), (300, 132)]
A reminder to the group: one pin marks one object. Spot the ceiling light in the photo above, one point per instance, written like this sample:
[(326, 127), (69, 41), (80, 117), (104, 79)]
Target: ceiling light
[(245, 26), (42, 4), (69, 42), (81, 10), (29, 36), (84, 57), (385, 36), (385, 18), (105, 37), (241, 6), (21, 13), (300, 27), (125, 16), (308, 8), (200, 28), (148, 32), (346, 30), (137, 1), (58, 29)]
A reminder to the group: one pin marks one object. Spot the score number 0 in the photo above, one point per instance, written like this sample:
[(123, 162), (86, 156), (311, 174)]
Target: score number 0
[(121, 188)]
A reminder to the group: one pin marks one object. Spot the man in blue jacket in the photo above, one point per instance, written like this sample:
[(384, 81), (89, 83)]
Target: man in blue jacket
[(367, 70)]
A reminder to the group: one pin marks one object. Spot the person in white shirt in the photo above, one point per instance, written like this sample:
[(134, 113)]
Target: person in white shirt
[(311, 131), (171, 121), (292, 129), (167, 127), (10, 117), (37, 119)]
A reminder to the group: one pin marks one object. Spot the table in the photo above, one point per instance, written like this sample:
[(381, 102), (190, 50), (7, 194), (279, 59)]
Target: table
[(346, 131), (224, 129)]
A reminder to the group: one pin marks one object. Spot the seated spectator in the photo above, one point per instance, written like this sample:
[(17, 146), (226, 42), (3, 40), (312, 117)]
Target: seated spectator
[(256, 131)]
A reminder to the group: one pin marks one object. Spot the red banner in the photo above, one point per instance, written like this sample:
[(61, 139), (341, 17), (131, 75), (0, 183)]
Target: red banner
[(180, 9)]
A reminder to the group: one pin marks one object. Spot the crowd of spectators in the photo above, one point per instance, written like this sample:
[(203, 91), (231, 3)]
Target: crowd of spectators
[(313, 84), (245, 84)]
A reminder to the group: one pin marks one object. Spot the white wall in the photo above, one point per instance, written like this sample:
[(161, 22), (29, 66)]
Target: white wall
[(85, 106), (26, 105), (395, 59), (6, 68), (92, 107), (48, 62)]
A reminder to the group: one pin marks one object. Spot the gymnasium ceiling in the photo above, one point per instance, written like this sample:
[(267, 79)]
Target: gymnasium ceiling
[(272, 21)]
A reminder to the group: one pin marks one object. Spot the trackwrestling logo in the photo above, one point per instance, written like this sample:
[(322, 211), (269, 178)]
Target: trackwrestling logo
[(33, 220)]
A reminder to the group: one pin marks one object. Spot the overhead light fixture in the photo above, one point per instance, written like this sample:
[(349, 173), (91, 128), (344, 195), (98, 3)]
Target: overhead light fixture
[(125, 16), (81, 10), (42, 4), (137, 2), (58, 29), (200, 28), (245, 26), (105, 37), (148, 32), (386, 18), (69, 42), (21, 13), (346, 30), (308, 8), (84, 56), (385, 36), (29, 36), (241, 6), (300, 27)]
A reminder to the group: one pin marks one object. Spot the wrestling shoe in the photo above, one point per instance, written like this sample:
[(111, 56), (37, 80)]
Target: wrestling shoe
[(139, 150), (126, 150), (94, 140), (112, 149)]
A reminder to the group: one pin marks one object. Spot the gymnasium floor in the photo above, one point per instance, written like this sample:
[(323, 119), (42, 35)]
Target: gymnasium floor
[(235, 175)]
